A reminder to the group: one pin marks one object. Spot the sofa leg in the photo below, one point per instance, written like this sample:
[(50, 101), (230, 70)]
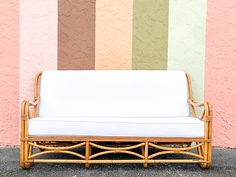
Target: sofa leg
[(24, 152), (145, 154), (22, 157), (88, 150), (207, 153)]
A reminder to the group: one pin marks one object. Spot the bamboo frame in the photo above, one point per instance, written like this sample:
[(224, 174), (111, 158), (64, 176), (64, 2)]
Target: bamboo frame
[(131, 146)]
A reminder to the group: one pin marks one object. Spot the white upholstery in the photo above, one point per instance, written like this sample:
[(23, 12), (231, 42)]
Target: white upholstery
[(113, 93), (115, 103), (117, 126)]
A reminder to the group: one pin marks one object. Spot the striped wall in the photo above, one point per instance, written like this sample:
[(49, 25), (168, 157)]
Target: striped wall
[(119, 34), (112, 34)]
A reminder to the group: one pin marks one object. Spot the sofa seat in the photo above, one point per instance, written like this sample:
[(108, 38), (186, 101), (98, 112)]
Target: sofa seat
[(117, 126)]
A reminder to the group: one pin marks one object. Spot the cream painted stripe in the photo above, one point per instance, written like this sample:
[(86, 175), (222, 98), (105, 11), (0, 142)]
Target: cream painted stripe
[(38, 41), (186, 44), (113, 43)]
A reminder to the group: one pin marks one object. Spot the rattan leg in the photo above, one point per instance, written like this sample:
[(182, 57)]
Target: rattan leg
[(205, 155), (87, 154), (145, 153), (24, 153), (27, 148)]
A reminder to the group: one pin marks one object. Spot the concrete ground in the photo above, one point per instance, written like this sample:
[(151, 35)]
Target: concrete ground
[(224, 165)]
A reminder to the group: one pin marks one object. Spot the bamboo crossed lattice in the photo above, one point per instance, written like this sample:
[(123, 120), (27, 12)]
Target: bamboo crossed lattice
[(142, 156)]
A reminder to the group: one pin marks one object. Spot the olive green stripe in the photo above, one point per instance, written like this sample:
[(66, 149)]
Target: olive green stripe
[(150, 34)]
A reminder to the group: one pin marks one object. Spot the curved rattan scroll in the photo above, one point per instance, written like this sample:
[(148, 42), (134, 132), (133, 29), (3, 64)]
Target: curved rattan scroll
[(111, 150), (175, 152), (115, 148), (170, 150), (174, 149), (59, 150)]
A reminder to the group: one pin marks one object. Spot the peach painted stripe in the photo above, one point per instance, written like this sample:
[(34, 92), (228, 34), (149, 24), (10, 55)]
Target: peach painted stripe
[(9, 72), (113, 46), (220, 69), (38, 41)]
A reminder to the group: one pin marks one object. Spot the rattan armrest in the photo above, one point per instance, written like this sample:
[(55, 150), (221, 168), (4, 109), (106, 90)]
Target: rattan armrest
[(206, 114), (26, 112), (195, 104), (34, 103)]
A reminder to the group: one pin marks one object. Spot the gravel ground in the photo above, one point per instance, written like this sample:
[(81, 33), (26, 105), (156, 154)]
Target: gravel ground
[(224, 165)]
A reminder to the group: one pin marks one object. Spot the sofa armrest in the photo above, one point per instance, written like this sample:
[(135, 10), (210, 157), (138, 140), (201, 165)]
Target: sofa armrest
[(26, 112), (206, 113), (34, 103)]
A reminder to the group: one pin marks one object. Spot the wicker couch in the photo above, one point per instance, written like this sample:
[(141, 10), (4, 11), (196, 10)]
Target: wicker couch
[(88, 114)]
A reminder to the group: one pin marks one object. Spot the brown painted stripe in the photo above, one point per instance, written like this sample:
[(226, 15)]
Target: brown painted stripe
[(76, 34)]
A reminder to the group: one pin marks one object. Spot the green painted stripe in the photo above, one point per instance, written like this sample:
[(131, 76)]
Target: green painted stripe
[(150, 34), (186, 48)]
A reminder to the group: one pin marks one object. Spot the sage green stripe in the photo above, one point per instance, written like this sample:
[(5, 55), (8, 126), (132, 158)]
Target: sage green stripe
[(150, 34)]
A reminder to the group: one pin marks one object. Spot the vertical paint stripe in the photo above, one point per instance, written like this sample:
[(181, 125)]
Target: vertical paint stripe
[(114, 34), (150, 34), (186, 48), (38, 41), (76, 34), (9, 72), (220, 84)]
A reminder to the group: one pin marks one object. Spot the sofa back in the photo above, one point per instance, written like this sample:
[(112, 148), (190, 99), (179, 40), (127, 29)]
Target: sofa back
[(113, 93)]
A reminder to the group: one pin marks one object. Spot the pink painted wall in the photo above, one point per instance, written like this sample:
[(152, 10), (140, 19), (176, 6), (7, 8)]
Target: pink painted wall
[(38, 41), (38, 51), (220, 74), (9, 72)]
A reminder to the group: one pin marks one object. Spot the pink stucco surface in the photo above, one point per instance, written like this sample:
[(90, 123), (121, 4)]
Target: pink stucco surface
[(9, 69), (38, 51), (38, 41), (220, 74)]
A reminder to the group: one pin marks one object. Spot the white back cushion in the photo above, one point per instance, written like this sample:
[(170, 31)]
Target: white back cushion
[(114, 93)]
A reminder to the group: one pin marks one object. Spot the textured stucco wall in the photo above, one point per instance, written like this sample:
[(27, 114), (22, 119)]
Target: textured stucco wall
[(220, 83), (150, 34), (38, 41), (114, 31), (186, 47), (9, 72), (113, 46), (76, 34)]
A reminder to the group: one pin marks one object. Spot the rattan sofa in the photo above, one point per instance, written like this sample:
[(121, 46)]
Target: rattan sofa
[(90, 114)]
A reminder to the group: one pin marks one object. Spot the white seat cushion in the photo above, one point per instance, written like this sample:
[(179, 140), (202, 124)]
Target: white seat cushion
[(117, 126)]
